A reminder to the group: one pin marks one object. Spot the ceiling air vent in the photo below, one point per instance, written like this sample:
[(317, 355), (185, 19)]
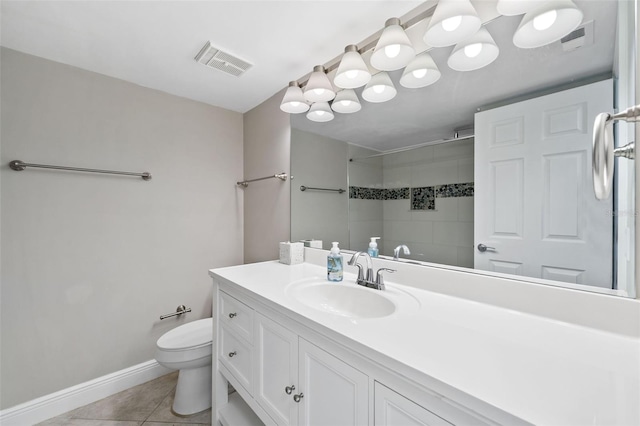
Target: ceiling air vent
[(222, 61), (581, 37)]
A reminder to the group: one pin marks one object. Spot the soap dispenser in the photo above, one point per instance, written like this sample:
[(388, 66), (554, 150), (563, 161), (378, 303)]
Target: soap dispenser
[(373, 247), (334, 264)]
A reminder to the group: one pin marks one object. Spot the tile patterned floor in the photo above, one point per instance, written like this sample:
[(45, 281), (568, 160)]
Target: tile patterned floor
[(148, 404)]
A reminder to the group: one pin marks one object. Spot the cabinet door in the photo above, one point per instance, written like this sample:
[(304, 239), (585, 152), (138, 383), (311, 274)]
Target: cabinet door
[(334, 393), (393, 409), (276, 350)]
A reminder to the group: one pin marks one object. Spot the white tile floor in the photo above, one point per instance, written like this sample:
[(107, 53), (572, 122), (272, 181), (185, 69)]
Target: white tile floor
[(148, 404)]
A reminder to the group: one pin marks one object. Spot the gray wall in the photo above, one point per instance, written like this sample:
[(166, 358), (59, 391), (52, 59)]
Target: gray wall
[(267, 142), (89, 261), (320, 162)]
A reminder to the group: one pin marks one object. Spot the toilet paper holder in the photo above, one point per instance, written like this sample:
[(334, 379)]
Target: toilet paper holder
[(181, 309)]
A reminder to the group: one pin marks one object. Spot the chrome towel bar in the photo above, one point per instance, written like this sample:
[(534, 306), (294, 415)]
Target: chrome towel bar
[(179, 311), (604, 152), (18, 166), (339, 190), (282, 176)]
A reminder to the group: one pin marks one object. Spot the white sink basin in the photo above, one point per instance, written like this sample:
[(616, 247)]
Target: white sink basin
[(346, 299)]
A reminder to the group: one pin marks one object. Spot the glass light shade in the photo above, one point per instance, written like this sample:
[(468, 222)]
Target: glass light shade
[(320, 112), (420, 72), (346, 102), (318, 88), (379, 89), (516, 7), (352, 72), (474, 52), (393, 50), (452, 21), (293, 101), (542, 26)]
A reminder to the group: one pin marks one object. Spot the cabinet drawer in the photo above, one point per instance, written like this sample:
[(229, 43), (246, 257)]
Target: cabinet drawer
[(236, 355), (237, 316)]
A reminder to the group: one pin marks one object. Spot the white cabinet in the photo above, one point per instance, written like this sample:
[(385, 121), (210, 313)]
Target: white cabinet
[(393, 409), (335, 393), (289, 374), (276, 360), (299, 383)]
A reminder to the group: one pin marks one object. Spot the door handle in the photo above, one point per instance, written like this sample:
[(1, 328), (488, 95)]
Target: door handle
[(289, 389), (482, 248), (298, 397)]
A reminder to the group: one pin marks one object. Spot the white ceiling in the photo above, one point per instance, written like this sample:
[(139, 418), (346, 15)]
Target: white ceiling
[(153, 43)]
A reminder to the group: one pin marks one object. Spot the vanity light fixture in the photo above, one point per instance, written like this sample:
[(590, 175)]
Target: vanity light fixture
[(352, 72), (516, 7), (379, 89), (319, 88), (294, 101), (420, 72), (346, 102), (452, 21), (320, 112), (548, 22), (393, 50), (474, 52)]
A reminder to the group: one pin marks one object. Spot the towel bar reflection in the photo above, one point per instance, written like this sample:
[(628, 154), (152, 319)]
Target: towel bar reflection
[(339, 190), (18, 166), (282, 176), (179, 311)]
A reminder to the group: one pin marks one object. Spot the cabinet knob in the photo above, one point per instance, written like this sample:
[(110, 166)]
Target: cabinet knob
[(232, 354), (289, 389), (298, 397), (232, 314)]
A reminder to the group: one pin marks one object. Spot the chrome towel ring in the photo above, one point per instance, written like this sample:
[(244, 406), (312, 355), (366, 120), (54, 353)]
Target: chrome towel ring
[(604, 152)]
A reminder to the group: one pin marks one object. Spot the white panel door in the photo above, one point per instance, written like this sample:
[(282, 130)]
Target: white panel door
[(276, 352), (334, 393), (393, 409), (534, 200)]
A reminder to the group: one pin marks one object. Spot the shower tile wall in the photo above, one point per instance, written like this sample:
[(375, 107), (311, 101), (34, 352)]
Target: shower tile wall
[(365, 215), (443, 235)]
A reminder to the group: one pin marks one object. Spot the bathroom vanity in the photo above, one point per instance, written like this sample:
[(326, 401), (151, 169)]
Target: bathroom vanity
[(300, 350)]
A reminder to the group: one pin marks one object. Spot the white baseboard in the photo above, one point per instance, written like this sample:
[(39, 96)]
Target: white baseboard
[(60, 402)]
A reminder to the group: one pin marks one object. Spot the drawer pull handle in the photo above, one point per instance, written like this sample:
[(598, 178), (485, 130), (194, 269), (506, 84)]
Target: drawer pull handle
[(289, 389), (232, 314), (298, 397), (232, 354)]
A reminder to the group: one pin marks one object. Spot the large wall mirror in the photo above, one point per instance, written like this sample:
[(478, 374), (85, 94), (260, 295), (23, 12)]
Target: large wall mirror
[(488, 169)]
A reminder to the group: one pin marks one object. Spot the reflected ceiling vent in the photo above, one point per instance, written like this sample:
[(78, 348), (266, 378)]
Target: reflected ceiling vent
[(221, 61), (580, 37)]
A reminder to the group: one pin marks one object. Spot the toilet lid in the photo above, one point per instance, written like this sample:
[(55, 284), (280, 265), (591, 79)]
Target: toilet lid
[(196, 333)]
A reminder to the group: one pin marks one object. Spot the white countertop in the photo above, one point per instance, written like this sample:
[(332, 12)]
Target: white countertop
[(540, 370)]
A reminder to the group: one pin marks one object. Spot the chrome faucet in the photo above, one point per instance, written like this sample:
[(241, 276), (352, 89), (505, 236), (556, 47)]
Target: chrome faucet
[(378, 284), (354, 261), (396, 251)]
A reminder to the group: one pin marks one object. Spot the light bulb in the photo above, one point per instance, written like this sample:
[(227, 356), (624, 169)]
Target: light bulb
[(294, 104), (473, 50), (452, 24), (378, 88), (419, 73), (351, 74), (319, 113), (345, 103), (392, 50), (318, 92), (545, 20)]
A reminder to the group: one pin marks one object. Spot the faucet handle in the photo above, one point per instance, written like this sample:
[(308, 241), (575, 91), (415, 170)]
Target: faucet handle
[(380, 277)]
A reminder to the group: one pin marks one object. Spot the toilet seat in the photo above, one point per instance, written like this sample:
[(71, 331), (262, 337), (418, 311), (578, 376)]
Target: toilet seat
[(188, 336)]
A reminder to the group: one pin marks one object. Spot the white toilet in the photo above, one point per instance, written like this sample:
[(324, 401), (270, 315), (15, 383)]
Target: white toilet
[(188, 348)]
